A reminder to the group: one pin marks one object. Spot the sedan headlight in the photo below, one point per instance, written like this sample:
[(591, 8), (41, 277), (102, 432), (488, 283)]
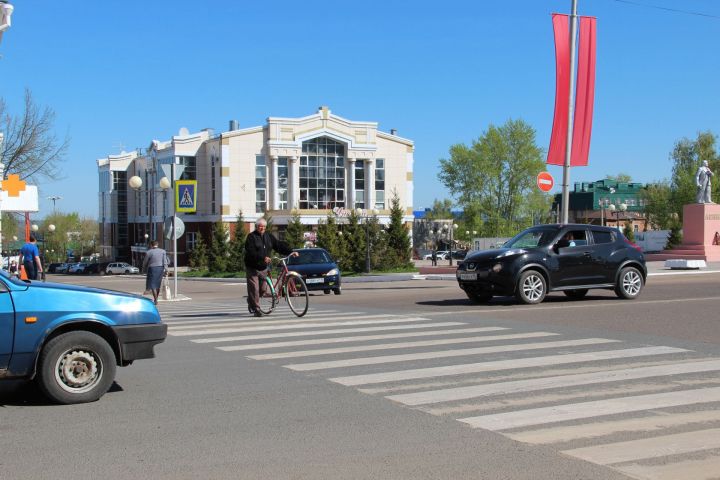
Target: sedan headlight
[(497, 267), (334, 271), (512, 251)]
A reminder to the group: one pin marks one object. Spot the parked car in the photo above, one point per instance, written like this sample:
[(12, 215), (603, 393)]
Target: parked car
[(62, 268), (441, 255), (318, 269), (52, 268), (545, 258), (70, 339), (120, 267), (77, 268), (96, 268)]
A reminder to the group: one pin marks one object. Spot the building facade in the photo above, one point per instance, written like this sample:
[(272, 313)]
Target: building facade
[(315, 166), (609, 202)]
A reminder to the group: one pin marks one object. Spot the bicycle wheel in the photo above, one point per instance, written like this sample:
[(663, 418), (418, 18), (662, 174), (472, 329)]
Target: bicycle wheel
[(296, 294), (268, 297)]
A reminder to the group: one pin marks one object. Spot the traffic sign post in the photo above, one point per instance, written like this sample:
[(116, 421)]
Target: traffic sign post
[(545, 181)]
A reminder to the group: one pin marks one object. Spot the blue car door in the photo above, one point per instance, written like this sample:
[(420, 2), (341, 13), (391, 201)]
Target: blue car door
[(7, 326)]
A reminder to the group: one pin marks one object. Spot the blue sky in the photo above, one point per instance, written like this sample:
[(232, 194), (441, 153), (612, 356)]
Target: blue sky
[(122, 73)]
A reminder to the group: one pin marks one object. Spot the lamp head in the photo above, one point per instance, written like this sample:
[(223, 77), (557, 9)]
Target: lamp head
[(135, 182)]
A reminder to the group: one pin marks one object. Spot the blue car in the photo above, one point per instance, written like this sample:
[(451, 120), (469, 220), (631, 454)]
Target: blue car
[(70, 339), (318, 269)]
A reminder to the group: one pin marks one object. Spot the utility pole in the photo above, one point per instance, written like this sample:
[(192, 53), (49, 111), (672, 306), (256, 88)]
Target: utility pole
[(54, 199), (571, 110)]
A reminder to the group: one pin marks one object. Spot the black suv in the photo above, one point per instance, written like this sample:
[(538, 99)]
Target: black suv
[(546, 258)]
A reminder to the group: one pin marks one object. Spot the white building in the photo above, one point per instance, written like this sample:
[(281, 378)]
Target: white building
[(312, 165)]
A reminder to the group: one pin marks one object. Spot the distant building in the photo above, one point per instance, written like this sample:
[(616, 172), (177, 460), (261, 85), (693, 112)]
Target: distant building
[(602, 202), (313, 165)]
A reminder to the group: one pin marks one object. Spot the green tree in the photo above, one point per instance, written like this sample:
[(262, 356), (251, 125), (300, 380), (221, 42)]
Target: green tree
[(218, 253), (294, 232), (495, 173), (329, 237), (199, 254), (658, 205), (675, 237), (687, 156), (398, 236), (354, 244), (620, 178), (628, 231), (236, 246), (441, 210)]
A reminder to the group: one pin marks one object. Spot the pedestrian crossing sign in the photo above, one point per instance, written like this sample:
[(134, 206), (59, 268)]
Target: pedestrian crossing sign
[(186, 196)]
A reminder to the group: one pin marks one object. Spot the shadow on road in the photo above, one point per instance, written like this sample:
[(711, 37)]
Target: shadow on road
[(24, 393), (513, 302)]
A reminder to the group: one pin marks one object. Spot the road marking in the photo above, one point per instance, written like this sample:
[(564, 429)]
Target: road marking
[(360, 338), (703, 469), (601, 429), (353, 362), (597, 408), (234, 318), (645, 448), (532, 362), (565, 306), (248, 322), (507, 388), (215, 331), (241, 338), (390, 346)]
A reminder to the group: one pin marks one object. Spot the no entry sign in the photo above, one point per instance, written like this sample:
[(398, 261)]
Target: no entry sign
[(545, 181)]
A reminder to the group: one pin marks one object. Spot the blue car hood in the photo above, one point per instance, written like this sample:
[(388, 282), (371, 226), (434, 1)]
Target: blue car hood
[(78, 288)]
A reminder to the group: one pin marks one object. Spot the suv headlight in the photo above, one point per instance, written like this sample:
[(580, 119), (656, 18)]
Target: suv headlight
[(334, 271)]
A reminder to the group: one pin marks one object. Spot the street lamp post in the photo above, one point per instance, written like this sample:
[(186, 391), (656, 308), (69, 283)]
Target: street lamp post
[(366, 216), (450, 231)]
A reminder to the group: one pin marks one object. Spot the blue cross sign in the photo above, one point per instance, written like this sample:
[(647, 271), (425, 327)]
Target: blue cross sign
[(186, 195)]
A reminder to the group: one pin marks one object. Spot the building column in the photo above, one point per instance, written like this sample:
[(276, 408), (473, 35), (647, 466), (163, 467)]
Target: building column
[(293, 183), (350, 190), (273, 194), (369, 184)]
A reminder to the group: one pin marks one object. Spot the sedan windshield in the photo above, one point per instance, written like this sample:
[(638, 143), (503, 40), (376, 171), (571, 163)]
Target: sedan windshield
[(308, 257), (532, 237)]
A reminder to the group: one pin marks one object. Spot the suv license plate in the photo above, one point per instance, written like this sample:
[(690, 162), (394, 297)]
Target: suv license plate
[(315, 280), (468, 276)]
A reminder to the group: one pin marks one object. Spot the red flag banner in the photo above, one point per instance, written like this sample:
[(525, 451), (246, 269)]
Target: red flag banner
[(585, 94), (558, 138)]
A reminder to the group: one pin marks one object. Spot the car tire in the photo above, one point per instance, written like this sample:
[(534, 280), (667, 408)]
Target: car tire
[(76, 367), (337, 291), (629, 283), (127, 272), (478, 297), (578, 293), (326, 292), (531, 287)]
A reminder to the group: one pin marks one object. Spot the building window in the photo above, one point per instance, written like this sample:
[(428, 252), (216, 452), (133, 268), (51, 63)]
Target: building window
[(191, 240), (380, 184), (322, 174), (190, 171), (283, 182), (260, 184), (359, 184)]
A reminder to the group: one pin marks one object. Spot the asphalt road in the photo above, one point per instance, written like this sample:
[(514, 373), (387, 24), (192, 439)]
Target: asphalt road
[(397, 380)]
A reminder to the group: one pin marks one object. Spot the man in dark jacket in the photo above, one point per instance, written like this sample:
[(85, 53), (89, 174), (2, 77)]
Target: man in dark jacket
[(258, 248)]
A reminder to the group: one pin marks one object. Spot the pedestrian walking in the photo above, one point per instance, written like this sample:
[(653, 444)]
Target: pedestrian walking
[(259, 246), (434, 258), (30, 259), (155, 265)]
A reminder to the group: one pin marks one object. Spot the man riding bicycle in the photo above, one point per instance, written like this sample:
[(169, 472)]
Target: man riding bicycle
[(258, 248)]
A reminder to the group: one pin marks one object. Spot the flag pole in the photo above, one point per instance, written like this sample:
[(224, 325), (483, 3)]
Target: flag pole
[(571, 111)]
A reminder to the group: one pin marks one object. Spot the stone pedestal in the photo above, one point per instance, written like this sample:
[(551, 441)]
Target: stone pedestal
[(701, 223)]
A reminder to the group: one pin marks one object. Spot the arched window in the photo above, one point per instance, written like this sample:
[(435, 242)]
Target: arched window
[(322, 174)]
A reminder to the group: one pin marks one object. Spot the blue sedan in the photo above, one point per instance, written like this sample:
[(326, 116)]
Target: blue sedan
[(70, 339), (318, 269)]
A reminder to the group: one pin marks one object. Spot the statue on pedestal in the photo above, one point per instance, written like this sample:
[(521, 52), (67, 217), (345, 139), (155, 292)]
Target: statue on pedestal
[(704, 185)]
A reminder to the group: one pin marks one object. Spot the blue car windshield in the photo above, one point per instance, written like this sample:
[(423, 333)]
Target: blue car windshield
[(532, 237), (13, 279), (308, 257)]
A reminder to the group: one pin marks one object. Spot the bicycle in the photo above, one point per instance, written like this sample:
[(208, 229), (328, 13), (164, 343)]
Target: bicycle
[(292, 288)]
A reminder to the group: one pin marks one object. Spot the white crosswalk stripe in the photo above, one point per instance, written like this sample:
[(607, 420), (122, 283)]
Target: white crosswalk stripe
[(649, 411)]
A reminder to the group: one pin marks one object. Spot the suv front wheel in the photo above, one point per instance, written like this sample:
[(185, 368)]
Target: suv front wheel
[(531, 287), (629, 283)]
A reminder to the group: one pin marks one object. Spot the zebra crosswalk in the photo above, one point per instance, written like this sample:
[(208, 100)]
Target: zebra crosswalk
[(648, 411)]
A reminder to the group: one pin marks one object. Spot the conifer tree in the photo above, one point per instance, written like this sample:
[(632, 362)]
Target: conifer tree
[(398, 236), (236, 247), (329, 237), (199, 254), (628, 231), (294, 233), (354, 243), (218, 255)]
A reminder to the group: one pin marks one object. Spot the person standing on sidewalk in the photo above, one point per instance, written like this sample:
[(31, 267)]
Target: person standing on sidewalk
[(30, 259), (259, 245), (155, 264), (434, 258)]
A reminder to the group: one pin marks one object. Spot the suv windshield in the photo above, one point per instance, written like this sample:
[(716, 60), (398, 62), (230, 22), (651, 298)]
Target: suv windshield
[(532, 237), (310, 256)]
